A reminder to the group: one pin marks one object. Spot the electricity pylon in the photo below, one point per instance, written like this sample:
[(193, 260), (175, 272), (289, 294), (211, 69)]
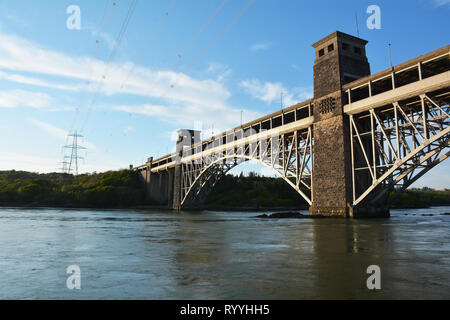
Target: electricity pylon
[(65, 164), (73, 162)]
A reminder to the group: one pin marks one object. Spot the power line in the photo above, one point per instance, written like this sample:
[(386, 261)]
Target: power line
[(199, 32), (194, 38), (149, 42), (111, 57), (103, 27), (105, 22), (211, 45), (151, 39)]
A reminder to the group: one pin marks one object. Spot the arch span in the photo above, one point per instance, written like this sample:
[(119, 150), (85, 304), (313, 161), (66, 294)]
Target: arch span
[(290, 158)]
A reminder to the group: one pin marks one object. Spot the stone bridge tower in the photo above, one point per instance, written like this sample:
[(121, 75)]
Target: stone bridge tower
[(340, 59)]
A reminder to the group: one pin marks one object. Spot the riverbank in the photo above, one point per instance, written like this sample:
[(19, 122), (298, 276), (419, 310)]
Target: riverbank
[(122, 190), (166, 208), (115, 189)]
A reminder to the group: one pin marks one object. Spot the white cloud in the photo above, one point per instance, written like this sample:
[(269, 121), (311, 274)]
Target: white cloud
[(38, 82), (33, 163), (260, 46), (16, 20), (267, 92), (189, 100), (56, 132), (441, 2), (193, 116), (270, 92), (21, 98), (52, 130), (15, 161), (18, 54), (219, 70), (30, 99)]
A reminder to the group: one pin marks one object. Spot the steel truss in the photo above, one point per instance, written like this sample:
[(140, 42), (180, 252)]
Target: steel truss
[(393, 146), (289, 155)]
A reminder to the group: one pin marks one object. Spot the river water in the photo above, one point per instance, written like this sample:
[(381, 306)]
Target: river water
[(130, 254)]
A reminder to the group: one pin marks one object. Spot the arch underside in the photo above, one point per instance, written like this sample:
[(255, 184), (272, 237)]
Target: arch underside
[(288, 155), (394, 146)]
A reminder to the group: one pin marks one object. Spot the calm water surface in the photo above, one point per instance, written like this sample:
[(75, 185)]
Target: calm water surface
[(130, 254)]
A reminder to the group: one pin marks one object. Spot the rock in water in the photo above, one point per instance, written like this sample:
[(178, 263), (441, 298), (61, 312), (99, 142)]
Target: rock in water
[(284, 215)]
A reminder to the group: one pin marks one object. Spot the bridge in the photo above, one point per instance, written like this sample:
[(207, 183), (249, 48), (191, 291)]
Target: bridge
[(359, 139)]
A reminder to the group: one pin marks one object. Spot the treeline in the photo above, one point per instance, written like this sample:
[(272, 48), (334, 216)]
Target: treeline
[(254, 191), (421, 198), (119, 189), (103, 190)]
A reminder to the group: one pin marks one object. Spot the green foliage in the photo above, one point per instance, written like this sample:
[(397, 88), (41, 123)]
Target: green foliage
[(107, 190), (420, 198), (254, 191), (122, 189)]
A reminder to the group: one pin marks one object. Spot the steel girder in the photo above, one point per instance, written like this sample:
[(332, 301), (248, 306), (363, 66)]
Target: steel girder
[(289, 155), (393, 146)]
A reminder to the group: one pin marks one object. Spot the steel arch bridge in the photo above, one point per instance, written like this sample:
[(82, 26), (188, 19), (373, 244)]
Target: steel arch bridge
[(391, 146), (376, 135)]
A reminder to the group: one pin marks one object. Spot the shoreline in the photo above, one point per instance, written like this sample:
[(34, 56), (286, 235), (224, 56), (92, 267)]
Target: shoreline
[(152, 207), (166, 208)]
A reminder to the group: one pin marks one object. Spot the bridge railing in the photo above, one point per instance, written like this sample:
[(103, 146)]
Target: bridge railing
[(276, 120), (423, 67), (256, 129)]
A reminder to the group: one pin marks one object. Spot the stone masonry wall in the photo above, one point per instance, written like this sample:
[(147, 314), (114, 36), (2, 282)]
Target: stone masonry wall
[(329, 176), (327, 75)]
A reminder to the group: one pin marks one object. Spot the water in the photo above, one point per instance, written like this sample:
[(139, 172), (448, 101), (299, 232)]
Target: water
[(127, 254)]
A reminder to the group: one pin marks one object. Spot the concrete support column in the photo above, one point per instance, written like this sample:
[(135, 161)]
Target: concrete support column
[(177, 187), (148, 180), (340, 58), (170, 187)]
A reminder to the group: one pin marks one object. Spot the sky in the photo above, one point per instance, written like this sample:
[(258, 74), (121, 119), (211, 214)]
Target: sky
[(134, 72)]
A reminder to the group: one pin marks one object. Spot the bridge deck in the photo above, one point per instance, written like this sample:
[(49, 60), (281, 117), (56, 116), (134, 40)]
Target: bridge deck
[(429, 72), (413, 71), (296, 117)]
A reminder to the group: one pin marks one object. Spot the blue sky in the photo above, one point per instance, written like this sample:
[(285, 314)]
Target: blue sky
[(180, 63)]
